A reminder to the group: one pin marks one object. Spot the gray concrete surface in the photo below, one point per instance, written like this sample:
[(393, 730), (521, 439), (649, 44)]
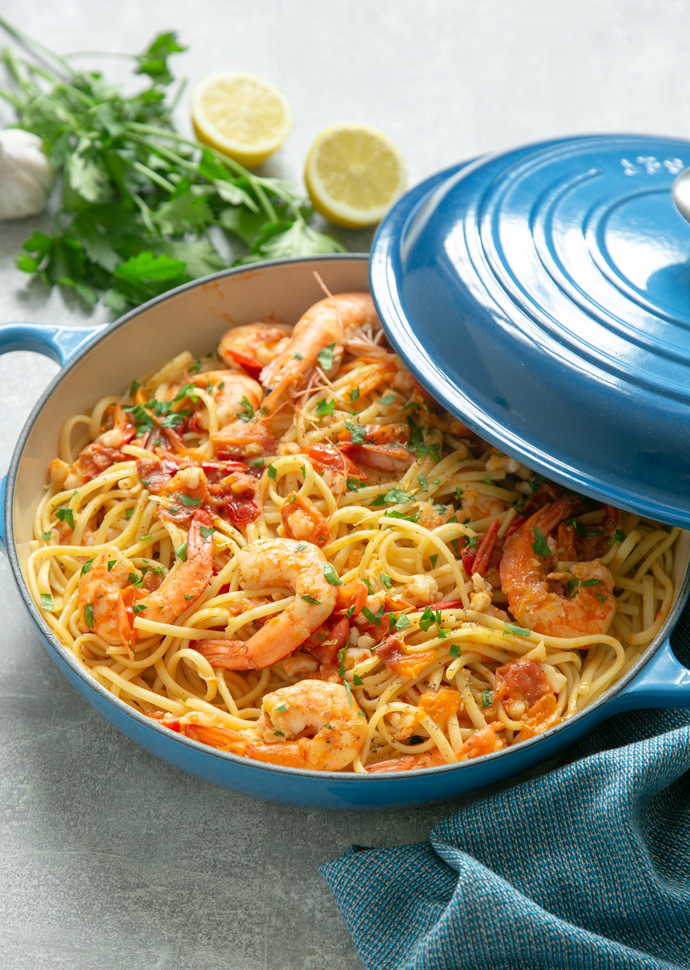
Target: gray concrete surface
[(108, 858)]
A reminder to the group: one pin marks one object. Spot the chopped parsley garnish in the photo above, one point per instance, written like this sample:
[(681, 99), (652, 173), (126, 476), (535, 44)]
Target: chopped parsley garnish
[(47, 601), (618, 536), (88, 615), (137, 580), (325, 407), (143, 421), (341, 660), (133, 388), (433, 560), (247, 410), (350, 612), (86, 568), (471, 542), (539, 545), (187, 390), (66, 516), (206, 532), (374, 618), (111, 563), (487, 698), (388, 399), (357, 431), (47, 536), (401, 515), (279, 734), (258, 463), (367, 584), (535, 482), (600, 597), (354, 395), (141, 607), (189, 500), (591, 582), (354, 484), (581, 530), (310, 599), (189, 596), (325, 358), (454, 650), (349, 693), (298, 356), (272, 473), (331, 575), (300, 547), (423, 481), (356, 680), (572, 587), (427, 619), (282, 708), (402, 622), (129, 512), (181, 552), (518, 631), (386, 580)]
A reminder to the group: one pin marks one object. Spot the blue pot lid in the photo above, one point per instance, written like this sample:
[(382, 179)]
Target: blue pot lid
[(543, 295)]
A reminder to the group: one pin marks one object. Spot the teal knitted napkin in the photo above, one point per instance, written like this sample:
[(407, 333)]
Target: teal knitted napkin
[(587, 867)]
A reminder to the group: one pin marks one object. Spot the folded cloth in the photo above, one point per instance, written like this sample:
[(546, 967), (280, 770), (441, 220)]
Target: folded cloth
[(586, 867)]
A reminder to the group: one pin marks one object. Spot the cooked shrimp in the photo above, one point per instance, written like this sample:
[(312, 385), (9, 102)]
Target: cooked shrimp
[(330, 323), (298, 566), (312, 724), (535, 603), (107, 594), (253, 346), (301, 520), (483, 741), (477, 505), (236, 395), (99, 454)]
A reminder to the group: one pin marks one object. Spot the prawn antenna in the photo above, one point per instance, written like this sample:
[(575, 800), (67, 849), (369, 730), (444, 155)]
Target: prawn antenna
[(322, 285)]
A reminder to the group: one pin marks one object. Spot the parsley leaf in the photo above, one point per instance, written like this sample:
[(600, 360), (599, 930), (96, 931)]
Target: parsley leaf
[(518, 631), (310, 599), (47, 601), (331, 575), (357, 431), (325, 407), (66, 516), (325, 358), (190, 501), (539, 545), (386, 580)]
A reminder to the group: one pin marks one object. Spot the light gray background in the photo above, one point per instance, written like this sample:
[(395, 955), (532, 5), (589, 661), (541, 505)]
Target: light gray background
[(109, 858)]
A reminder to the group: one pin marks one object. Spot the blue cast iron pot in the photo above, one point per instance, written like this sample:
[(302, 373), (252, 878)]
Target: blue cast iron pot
[(102, 360)]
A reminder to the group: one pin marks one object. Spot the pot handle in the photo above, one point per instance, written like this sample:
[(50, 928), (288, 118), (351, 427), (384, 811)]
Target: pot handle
[(58, 343), (664, 682)]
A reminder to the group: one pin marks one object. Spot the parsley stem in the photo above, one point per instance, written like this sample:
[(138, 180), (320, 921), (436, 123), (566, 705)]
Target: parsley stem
[(154, 176), (38, 50), (234, 166)]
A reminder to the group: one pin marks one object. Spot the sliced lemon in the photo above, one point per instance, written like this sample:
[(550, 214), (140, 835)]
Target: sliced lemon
[(354, 174), (241, 115)]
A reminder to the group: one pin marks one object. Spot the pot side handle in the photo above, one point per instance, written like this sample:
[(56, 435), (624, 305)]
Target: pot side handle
[(664, 682), (58, 343)]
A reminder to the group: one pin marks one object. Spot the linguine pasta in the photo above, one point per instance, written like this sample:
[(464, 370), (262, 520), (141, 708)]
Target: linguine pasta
[(290, 552)]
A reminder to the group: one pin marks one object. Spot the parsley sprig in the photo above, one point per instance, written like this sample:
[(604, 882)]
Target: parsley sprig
[(138, 198)]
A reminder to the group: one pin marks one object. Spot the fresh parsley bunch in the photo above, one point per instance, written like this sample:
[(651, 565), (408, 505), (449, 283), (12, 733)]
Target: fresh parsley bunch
[(138, 199)]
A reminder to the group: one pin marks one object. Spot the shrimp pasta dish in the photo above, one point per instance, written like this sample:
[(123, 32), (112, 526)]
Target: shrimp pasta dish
[(287, 550)]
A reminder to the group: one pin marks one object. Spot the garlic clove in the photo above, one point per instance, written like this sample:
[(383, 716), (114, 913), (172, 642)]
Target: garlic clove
[(26, 176)]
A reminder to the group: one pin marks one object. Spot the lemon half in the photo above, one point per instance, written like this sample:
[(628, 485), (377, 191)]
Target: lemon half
[(241, 115), (354, 174)]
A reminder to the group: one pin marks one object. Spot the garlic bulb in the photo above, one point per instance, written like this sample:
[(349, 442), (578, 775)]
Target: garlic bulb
[(26, 176)]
